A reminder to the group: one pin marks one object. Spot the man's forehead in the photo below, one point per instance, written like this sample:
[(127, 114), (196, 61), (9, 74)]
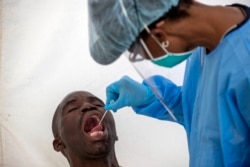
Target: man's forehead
[(79, 94)]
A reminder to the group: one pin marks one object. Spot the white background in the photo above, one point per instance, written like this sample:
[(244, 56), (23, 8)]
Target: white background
[(44, 56)]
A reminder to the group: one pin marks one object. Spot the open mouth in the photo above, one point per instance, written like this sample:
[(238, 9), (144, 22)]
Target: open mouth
[(92, 126)]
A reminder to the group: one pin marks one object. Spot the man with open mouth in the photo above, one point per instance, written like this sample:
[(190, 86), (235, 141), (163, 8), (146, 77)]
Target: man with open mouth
[(79, 136)]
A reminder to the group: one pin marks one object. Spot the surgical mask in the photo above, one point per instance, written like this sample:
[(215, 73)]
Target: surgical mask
[(168, 60), (171, 59)]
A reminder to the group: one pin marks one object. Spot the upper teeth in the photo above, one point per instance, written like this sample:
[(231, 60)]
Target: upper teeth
[(97, 118)]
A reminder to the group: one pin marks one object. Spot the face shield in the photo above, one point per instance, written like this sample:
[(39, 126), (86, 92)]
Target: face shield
[(136, 54), (146, 69)]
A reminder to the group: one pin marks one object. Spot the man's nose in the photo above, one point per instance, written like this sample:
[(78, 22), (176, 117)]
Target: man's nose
[(87, 107)]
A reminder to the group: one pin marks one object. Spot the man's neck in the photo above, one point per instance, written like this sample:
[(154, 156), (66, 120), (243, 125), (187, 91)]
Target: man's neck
[(110, 161)]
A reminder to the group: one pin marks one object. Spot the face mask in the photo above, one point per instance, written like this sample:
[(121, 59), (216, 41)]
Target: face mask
[(171, 59)]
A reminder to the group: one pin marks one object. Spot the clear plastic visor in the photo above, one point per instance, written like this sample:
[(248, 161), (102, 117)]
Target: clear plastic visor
[(139, 50)]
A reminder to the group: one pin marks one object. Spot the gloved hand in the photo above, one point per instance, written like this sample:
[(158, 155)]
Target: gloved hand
[(127, 92)]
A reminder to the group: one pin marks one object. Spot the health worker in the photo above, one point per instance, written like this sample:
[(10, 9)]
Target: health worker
[(213, 104)]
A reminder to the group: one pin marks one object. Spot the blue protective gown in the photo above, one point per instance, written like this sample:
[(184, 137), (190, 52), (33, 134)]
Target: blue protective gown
[(213, 104)]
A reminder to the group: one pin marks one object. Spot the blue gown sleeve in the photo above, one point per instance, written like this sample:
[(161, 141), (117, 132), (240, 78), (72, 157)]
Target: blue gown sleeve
[(172, 95)]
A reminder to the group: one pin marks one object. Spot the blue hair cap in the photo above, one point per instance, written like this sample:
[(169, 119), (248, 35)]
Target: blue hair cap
[(115, 24)]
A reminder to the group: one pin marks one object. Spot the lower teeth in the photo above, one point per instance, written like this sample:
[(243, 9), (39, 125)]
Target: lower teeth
[(96, 133)]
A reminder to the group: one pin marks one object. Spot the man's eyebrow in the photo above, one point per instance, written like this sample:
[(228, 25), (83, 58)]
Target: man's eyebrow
[(68, 103), (92, 99)]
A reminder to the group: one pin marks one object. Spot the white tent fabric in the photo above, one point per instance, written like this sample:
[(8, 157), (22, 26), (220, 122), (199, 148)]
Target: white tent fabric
[(44, 56)]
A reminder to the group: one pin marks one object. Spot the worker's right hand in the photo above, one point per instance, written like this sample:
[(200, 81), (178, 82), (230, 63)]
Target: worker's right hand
[(127, 92)]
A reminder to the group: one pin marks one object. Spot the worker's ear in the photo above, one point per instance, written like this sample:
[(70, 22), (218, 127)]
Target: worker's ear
[(58, 144), (159, 32)]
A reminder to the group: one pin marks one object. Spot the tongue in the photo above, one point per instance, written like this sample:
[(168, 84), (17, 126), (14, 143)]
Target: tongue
[(90, 124), (97, 128)]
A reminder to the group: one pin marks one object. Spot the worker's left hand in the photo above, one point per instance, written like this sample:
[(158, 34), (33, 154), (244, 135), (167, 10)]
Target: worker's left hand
[(127, 92)]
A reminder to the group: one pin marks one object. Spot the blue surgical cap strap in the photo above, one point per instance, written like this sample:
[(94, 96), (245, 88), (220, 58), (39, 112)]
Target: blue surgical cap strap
[(125, 12), (137, 15), (139, 20)]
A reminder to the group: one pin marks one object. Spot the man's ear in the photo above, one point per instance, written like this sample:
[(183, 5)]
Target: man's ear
[(116, 138), (58, 144)]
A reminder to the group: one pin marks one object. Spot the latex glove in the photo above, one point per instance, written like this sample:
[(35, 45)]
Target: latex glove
[(127, 92)]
